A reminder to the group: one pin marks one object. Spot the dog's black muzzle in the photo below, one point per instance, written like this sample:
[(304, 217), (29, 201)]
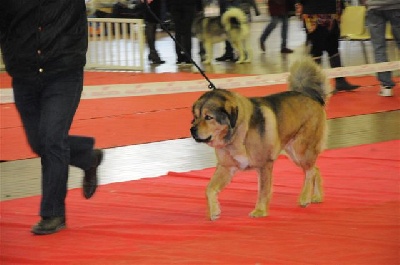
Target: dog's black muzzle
[(193, 131)]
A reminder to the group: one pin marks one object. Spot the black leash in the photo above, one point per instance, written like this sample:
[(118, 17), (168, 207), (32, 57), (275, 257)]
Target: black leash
[(211, 84)]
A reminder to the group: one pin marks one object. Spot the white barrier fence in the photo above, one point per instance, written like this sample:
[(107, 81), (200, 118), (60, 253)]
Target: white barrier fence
[(172, 87), (115, 44)]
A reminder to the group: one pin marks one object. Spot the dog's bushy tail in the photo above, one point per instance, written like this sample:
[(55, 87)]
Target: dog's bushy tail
[(307, 77), (233, 18)]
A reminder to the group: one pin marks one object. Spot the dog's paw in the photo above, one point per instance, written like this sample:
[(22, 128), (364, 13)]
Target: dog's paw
[(214, 212), (207, 62), (214, 217), (240, 61), (258, 213), (316, 199), (304, 202)]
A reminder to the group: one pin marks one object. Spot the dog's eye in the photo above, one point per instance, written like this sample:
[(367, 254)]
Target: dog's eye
[(208, 117)]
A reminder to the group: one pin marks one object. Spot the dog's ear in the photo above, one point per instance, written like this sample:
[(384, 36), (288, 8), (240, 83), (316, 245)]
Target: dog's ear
[(233, 115), (232, 111)]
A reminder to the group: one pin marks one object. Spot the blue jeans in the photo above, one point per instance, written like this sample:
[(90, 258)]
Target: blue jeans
[(47, 106), (377, 20), (272, 25)]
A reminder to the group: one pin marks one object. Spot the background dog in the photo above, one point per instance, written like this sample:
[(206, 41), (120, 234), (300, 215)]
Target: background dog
[(231, 26), (250, 133)]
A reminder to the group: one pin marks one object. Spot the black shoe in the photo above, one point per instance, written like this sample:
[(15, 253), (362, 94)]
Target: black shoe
[(286, 50), (158, 61), (90, 178), (262, 45), (226, 58), (49, 225), (155, 59), (343, 85)]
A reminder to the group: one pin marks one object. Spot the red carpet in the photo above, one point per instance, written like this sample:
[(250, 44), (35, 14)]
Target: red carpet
[(134, 120), (162, 220)]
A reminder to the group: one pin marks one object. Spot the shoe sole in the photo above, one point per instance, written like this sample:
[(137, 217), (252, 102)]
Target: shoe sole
[(386, 92), (385, 95)]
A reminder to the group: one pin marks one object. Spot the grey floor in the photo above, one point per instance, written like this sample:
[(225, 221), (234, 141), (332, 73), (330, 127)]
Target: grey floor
[(21, 178)]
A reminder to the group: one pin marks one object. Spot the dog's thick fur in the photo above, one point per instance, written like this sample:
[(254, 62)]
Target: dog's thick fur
[(250, 133), (231, 26)]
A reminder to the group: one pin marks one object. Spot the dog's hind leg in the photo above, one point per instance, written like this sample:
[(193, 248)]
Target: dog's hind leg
[(304, 154), (318, 194), (238, 46), (312, 187), (264, 191), (222, 176), (249, 51)]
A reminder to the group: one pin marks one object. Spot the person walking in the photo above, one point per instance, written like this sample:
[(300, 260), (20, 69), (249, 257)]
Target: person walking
[(279, 11), (151, 30), (322, 19), (44, 46), (379, 14)]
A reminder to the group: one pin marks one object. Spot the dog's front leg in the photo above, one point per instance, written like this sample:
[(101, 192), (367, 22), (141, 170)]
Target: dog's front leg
[(222, 176), (208, 46), (264, 190)]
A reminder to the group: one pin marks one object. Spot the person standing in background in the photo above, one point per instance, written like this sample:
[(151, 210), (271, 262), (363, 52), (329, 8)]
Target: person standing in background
[(183, 14), (279, 11), (321, 19), (381, 12), (44, 46), (229, 54)]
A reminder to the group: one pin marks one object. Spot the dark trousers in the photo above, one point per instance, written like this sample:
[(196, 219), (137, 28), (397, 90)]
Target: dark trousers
[(324, 39), (47, 106), (183, 17)]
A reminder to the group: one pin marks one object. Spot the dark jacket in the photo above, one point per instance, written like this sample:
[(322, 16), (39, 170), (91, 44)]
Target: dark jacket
[(277, 8), (43, 37), (322, 7)]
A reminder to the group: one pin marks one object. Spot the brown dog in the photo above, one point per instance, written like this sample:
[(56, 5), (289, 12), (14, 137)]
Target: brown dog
[(250, 133)]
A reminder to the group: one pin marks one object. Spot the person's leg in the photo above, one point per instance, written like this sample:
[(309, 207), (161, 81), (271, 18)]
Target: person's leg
[(394, 19), (267, 31), (284, 34), (27, 100), (377, 25), (150, 33), (60, 99), (176, 18), (187, 21), (229, 52), (332, 48), (317, 39)]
